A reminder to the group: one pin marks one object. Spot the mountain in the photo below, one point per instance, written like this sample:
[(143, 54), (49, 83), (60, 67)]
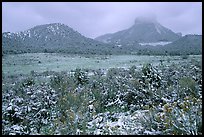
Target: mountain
[(60, 38), (188, 44), (55, 37), (144, 30)]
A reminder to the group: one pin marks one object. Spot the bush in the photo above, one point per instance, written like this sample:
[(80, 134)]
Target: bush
[(188, 87), (112, 103), (185, 56), (80, 76)]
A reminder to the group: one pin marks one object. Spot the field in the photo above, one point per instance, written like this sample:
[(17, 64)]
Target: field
[(59, 94), (40, 62)]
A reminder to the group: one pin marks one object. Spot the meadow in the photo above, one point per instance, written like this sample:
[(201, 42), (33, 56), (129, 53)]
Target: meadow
[(40, 62)]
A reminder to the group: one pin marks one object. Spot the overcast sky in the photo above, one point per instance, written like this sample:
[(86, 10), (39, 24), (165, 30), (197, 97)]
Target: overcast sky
[(92, 19)]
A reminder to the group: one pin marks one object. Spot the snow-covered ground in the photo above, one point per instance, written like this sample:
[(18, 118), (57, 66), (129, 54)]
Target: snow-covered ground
[(125, 123), (155, 43)]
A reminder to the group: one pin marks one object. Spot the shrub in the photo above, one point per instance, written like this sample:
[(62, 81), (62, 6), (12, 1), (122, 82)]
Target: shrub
[(185, 56), (80, 76), (188, 86)]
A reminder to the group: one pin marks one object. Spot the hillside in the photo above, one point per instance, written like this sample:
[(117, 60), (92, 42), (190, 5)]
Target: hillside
[(144, 30), (186, 45), (55, 37), (189, 44)]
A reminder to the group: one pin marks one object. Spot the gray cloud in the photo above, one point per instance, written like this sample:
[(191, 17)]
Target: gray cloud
[(96, 18)]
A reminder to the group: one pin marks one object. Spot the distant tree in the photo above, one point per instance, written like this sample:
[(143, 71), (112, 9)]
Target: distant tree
[(185, 56), (166, 53), (45, 50)]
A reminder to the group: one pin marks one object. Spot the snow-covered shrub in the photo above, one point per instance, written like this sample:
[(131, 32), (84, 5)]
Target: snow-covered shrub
[(188, 87), (176, 118), (73, 111), (155, 100), (30, 111), (28, 82), (80, 76)]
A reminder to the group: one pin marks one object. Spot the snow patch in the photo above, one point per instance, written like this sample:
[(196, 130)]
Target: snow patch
[(16, 128), (157, 29), (9, 108), (119, 45), (155, 43)]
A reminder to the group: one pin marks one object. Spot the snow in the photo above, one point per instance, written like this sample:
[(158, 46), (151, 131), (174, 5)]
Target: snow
[(9, 108), (165, 99), (38, 91), (109, 104), (90, 73), (8, 33), (28, 109), (123, 124), (43, 110), (33, 96), (154, 43), (78, 131), (18, 33), (119, 45), (55, 29), (51, 28), (120, 121), (91, 107), (157, 29), (151, 132), (29, 35), (16, 127), (116, 101)]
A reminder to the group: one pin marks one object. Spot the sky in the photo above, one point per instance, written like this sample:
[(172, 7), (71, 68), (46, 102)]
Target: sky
[(93, 19)]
